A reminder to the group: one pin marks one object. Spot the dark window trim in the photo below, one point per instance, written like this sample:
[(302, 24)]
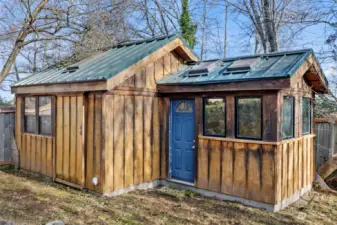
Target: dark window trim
[(237, 120), (204, 116), (37, 122), (306, 133), (293, 125)]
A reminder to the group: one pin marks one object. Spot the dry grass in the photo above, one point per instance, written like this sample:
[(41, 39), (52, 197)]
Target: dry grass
[(29, 199)]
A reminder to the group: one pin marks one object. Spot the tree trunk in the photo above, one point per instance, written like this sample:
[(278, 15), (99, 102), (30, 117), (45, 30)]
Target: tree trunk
[(268, 26)]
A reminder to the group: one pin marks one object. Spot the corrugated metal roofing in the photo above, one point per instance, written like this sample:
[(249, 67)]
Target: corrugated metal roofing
[(101, 66), (267, 66)]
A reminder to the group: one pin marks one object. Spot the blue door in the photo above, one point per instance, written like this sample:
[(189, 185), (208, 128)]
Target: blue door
[(182, 143)]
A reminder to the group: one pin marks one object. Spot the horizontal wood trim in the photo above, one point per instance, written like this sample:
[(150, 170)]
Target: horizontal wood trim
[(253, 141), (275, 84), (132, 93), (325, 120), (61, 88), (5, 163), (68, 183)]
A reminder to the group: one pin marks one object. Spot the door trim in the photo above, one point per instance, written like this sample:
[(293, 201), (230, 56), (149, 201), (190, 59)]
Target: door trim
[(170, 143)]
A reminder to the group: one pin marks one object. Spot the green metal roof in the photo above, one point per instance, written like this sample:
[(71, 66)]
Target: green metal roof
[(264, 66), (101, 66)]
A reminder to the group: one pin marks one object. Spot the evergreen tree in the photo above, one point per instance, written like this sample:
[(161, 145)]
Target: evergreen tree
[(188, 29)]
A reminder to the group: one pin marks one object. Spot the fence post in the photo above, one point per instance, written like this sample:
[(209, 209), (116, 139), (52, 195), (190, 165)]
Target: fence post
[(332, 139)]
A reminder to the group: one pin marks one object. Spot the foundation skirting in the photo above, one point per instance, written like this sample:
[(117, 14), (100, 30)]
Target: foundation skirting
[(269, 207)]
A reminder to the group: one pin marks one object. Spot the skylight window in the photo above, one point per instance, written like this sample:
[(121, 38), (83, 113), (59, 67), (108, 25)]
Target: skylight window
[(202, 68), (241, 66)]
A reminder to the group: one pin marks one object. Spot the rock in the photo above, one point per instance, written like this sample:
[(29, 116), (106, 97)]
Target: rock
[(57, 222)]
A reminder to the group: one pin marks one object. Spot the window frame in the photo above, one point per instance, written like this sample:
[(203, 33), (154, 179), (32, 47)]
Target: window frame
[(309, 132), (237, 117), (204, 116), (293, 114), (37, 116)]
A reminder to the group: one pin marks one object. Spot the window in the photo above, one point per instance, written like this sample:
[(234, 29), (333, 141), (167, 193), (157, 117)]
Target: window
[(306, 115), (42, 116), (288, 117), (249, 117), (45, 115), (30, 115), (184, 107), (214, 117)]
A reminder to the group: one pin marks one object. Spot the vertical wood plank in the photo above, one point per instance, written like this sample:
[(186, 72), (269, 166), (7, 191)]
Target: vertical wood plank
[(296, 168), (164, 145), (38, 154), (98, 142), (268, 174), (215, 164), (44, 156), (18, 123), (80, 138), (49, 157), (284, 170), (90, 142), (239, 177), (300, 163), (227, 168), (202, 181), (290, 168), (150, 79), (309, 161), (59, 137), (147, 105), (305, 162), (167, 64), (254, 172), (138, 141), (73, 138), (66, 137), (108, 112), (128, 140), (23, 150), (33, 154), (118, 142), (29, 153), (278, 174), (159, 68), (155, 141)]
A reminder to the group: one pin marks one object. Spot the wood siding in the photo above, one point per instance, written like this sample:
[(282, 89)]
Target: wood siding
[(69, 154), (131, 137), (36, 154), (259, 171)]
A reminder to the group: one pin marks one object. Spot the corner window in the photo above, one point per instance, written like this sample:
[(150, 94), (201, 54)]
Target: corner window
[(30, 115), (249, 117), (45, 115), (214, 117), (306, 115), (288, 117), (38, 115)]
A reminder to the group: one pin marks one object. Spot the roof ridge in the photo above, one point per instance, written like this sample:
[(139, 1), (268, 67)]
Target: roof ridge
[(156, 38)]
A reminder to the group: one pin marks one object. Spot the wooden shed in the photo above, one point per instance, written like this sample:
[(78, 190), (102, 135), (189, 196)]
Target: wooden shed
[(148, 113)]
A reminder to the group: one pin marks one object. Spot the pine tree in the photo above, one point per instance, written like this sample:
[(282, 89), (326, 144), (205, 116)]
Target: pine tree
[(188, 29)]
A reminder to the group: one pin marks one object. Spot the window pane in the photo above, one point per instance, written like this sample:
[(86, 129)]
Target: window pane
[(45, 115), (214, 117), (184, 107), (306, 115), (249, 117), (288, 117), (29, 117)]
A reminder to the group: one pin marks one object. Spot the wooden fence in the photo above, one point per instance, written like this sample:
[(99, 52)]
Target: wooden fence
[(6, 133), (326, 140)]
